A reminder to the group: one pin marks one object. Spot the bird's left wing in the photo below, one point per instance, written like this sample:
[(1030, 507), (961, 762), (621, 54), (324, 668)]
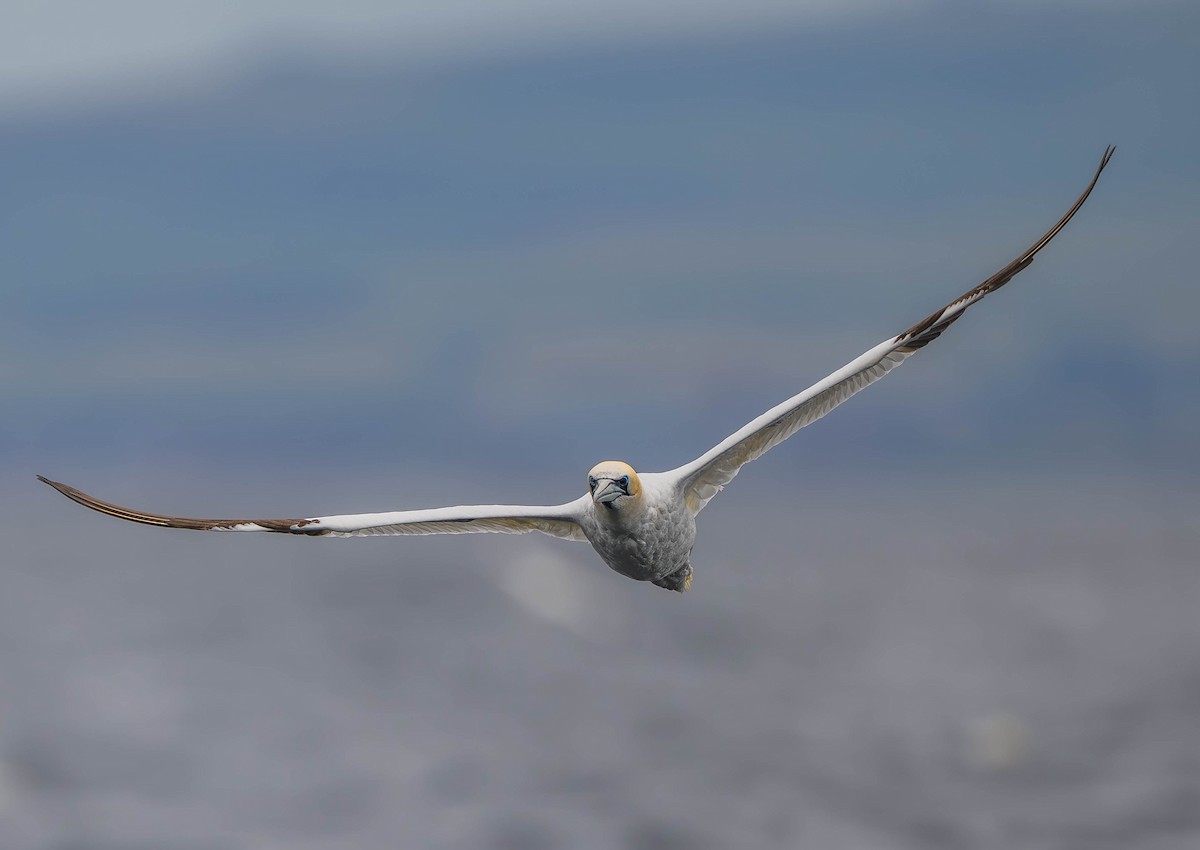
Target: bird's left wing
[(704, 477), (557, 521)]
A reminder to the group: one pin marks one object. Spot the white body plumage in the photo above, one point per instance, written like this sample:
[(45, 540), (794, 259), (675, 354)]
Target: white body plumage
[(645, 534)]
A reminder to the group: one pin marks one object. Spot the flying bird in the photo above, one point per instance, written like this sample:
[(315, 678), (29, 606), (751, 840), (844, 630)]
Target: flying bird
[(642, 524)]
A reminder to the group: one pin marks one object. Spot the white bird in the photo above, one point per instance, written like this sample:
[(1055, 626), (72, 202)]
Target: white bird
[(642, 525)]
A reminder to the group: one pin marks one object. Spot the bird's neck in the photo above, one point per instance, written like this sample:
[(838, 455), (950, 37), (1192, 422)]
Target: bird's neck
[(628, 514)]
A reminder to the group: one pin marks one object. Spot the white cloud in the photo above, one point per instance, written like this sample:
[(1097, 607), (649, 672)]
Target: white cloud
[(81, 49)]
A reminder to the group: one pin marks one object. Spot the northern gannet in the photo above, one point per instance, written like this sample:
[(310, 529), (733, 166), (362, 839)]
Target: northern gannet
[(642, 525)]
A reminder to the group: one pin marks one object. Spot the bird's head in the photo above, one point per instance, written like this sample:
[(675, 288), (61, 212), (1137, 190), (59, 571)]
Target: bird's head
[(614, 484)]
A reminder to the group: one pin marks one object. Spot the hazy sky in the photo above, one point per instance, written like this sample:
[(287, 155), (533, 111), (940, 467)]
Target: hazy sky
[(52, 49), (69, 48), (472, 227)]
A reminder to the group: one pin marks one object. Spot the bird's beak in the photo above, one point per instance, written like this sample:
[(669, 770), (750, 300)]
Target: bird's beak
[(609, 491)]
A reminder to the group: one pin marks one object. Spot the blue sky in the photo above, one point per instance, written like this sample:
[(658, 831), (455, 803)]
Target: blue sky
[(296, 231)]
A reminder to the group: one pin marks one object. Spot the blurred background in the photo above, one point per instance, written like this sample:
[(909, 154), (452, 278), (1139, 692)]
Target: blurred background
[(281, 259)]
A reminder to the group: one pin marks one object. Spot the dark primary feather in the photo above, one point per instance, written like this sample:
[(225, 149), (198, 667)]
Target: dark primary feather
[(931, 327), (286, 526)]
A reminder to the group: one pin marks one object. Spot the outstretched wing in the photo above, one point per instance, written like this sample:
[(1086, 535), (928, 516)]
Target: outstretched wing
[(558, 521), (704, 477)]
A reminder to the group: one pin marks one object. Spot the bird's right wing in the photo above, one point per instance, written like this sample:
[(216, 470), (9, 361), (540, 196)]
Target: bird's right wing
[(557, 521), (704, 477)]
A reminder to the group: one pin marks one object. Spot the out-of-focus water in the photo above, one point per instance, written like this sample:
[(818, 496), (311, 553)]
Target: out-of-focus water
[(994, 661)]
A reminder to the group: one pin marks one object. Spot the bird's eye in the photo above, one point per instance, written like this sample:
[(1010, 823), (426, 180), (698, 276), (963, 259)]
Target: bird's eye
[(624, 482), (591, 483)]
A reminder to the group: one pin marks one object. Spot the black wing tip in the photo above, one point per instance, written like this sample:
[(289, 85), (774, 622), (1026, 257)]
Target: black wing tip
[(69, 491), (929, 328), (285, 526), (57, 485), (1109, 150)]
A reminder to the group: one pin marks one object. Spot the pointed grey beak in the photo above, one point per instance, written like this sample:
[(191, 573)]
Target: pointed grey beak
[(608, 491)]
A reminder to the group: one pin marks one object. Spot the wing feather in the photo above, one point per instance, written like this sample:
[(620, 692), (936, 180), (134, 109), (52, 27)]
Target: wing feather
[(704, 477), (557, 521)]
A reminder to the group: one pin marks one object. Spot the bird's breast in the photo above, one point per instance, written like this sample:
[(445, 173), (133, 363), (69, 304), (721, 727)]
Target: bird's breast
[(647, 544)]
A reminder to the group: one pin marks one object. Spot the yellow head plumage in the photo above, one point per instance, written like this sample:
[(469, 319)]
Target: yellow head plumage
[(612, 482)]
